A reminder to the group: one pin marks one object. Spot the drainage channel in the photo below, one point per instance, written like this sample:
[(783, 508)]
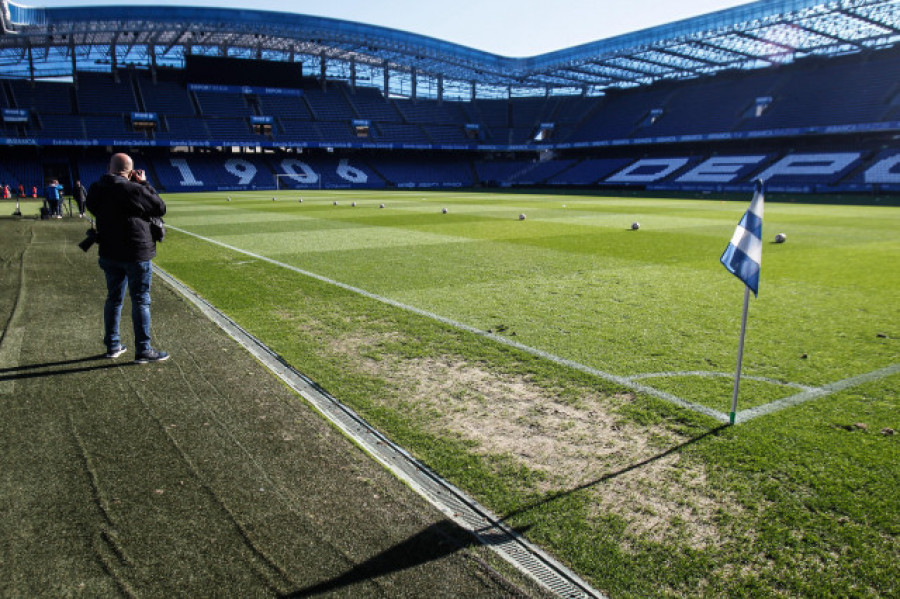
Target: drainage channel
[(466, 512)]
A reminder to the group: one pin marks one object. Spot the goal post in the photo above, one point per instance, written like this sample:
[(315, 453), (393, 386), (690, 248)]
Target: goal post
[(290, 181)]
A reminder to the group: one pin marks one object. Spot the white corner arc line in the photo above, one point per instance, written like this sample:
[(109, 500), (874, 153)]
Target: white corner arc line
[(713, 374), (810, 394), (619, 380)]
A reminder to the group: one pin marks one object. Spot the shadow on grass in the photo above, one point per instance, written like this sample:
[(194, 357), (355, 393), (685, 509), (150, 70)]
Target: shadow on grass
[(561, 494), (436, 542), (32, 371), (445, 538)]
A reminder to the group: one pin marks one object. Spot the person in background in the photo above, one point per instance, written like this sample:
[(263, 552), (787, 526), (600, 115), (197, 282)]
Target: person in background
[(53, 195), (122, 202), (80, 194)]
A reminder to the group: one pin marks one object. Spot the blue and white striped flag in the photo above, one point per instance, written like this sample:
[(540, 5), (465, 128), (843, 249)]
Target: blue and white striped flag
[(743, 255)]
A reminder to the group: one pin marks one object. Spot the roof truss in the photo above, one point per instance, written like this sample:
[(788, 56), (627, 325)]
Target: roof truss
[(751, 36)]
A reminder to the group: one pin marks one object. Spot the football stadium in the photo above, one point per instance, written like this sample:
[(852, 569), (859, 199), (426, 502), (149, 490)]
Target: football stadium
[(617, 320)]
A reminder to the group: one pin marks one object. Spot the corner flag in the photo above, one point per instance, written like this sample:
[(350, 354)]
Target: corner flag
[(743, 255), (742, 258)]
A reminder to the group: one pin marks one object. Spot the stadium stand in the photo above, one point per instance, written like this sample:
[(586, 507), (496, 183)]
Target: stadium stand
[(424, 172), (588, 172), (789, 124), (165, 95), (41, 97), (15, 171), (98, 94)]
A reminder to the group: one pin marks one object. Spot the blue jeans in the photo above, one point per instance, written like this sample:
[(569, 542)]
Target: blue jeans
[(137, 275)]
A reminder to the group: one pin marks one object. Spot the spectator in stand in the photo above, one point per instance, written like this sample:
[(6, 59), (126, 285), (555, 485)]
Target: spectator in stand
[(79, 193), (53, 195), (123, 202)]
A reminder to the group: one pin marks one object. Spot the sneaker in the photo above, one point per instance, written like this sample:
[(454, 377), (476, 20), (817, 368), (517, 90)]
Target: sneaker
[(152, 355), (115, 353)]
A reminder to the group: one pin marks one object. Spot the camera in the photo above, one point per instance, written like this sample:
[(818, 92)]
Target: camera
[(91, 238)]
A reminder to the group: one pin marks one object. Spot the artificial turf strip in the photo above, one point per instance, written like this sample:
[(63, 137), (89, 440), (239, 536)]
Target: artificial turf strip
[(200, 476)]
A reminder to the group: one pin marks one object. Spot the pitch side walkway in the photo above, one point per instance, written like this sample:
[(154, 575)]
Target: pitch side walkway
[(200, 476)]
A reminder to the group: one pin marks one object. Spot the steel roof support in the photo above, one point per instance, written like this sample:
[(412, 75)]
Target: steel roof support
[(353, 74), (765, 32), (74, 63), (829, 36), (866, 19)]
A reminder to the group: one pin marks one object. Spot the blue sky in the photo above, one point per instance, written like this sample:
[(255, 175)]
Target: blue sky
[(505, 27)]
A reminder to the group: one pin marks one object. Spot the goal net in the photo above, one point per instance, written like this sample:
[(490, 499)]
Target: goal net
[(286, 181)]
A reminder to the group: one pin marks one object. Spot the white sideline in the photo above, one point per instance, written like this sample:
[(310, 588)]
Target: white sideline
[(630, 382), (620, 380)]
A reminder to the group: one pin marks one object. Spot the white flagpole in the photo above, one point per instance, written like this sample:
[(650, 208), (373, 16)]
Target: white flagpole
[(740, 356)]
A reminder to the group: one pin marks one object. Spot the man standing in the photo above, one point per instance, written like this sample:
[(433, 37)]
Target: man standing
[(123, 201), (79, 193)]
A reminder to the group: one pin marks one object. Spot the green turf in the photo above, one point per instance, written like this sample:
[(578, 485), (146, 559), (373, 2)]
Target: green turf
[(576, 282), (808, 498)]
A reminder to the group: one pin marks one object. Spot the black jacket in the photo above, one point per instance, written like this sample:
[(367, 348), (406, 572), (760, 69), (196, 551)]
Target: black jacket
[(122, 208)]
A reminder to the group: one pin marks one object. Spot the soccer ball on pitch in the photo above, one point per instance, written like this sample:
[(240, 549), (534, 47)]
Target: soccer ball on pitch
[(780, 238), (635, 226), (381, 205), (521, 217), (443, 211), (353, 204)]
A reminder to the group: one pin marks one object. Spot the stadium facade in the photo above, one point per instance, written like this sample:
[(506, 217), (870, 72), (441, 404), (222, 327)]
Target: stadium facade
[(803, 94)]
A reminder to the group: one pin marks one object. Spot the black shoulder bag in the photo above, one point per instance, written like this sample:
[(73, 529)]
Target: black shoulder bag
[(157, 228)]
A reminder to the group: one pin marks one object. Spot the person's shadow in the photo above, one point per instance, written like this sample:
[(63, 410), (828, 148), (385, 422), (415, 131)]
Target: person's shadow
[(73, 366), (445, 538), (440, 540)]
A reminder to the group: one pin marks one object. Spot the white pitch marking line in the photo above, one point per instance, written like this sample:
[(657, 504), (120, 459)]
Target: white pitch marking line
[(712, 374), (815, 393), (625, 381), (620, 380)]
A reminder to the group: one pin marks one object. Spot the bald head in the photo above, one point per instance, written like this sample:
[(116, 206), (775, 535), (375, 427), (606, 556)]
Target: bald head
[(120, 164)]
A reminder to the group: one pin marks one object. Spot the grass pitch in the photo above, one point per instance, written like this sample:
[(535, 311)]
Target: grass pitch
[(575, 281), (641, 496)]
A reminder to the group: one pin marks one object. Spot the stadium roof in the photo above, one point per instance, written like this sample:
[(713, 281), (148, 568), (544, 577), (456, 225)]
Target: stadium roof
[(52, 42)]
